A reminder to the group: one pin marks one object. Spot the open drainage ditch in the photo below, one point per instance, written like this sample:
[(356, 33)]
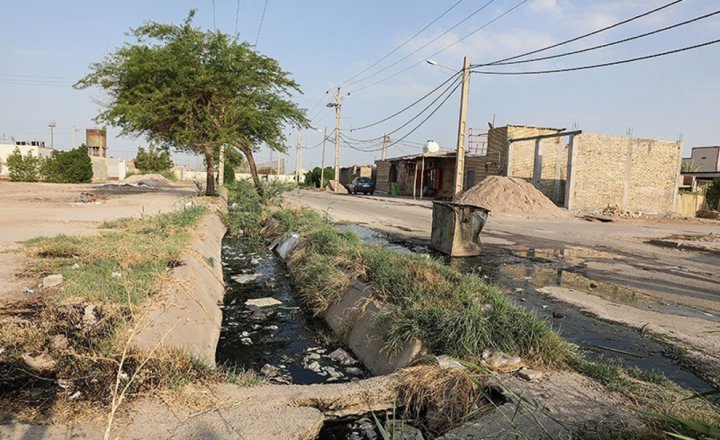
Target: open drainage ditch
[(265, 329), (522, 275)]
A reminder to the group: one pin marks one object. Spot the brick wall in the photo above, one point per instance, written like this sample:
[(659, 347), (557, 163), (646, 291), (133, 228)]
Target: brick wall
[(638, 175), (382, 176)]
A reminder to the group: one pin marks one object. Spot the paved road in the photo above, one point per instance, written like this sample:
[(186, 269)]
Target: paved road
[(614, 252)]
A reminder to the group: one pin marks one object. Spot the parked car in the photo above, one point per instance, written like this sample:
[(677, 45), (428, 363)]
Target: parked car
[(363, 185)]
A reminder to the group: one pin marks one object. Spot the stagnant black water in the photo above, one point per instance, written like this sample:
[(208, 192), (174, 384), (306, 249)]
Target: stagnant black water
[(280, 341), (521, 275)]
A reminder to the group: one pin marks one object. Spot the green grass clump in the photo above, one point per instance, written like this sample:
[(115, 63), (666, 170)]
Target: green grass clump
[(122, 264), (450, 312)]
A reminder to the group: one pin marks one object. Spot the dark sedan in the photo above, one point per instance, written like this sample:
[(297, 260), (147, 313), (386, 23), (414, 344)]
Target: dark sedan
[(363, 185)]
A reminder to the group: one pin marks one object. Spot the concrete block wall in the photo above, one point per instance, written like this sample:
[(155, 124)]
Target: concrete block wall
[(638, 175), (382, 176)]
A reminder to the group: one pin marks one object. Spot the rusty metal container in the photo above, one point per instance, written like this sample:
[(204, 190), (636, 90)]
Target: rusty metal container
[(456, 228)]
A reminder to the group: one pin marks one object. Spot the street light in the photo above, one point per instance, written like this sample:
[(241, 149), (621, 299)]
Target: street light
[(441, 66)]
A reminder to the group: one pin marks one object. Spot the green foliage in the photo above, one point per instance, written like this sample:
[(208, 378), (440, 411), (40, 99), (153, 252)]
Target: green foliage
[(195, 90), (712, 195), (228, 174), (153, 160), (313, 177), (74, 166), (23, 168), (688, 166)]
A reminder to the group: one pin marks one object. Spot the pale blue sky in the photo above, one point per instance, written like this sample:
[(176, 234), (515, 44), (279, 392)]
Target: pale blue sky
[(47, 45)]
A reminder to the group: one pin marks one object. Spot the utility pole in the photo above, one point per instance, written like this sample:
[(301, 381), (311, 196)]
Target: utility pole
[(221, 166), (385, 144), (462, 128), (74, 131), (322, 161), (52, 125), (338, 107), (298, 156)]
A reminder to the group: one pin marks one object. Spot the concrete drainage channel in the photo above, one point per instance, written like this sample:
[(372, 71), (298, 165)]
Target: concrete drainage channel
[(265, 328)]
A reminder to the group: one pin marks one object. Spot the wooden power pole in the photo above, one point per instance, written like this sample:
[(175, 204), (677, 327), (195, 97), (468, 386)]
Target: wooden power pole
[(462, 128), (298, 156), (383, 155), (322, 161)]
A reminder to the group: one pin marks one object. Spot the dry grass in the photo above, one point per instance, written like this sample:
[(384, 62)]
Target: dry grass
[(441, 399)]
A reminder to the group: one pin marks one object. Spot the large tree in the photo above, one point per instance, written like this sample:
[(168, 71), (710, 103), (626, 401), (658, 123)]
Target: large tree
[(194, 90)]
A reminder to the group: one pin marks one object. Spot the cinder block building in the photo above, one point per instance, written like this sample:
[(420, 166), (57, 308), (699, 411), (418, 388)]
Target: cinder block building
[(584, 172)]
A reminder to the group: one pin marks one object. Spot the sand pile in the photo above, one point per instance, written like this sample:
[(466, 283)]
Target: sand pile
[(511, 196), (151, 180)]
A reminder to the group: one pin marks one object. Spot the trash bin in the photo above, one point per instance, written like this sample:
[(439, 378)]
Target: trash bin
[(456, 228)]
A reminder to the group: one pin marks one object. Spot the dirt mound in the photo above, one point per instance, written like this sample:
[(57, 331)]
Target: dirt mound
[(151, 180), (511, 196)]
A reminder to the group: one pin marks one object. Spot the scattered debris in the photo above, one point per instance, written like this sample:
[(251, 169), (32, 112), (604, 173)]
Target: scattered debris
[(75, 266), (342, 357), (448, 363), (41, 363), (246, 341), (557, 315), (52, 280), (503, 362), (116, 275), (149, 180), (28, 290), (59, 342), (528, 374), (245, 277), (89, 317), (88, 198), (262, 302), (355, 371), (269, 371)]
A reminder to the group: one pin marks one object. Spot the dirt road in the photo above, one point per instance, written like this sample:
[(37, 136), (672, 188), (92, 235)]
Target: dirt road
[(32, 210), (610, 268)]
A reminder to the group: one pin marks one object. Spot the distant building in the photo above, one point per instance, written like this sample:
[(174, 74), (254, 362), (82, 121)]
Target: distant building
[(35, 148), (581, 171), (707, 162), (347, 174)]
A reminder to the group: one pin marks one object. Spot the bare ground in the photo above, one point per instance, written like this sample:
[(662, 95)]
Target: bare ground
[(31, 210)]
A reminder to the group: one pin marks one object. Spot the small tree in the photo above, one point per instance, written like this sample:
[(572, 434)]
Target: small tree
[(74, 166), (195, 90), (313, 177), (712, 195), (23, 168), (153, 160)]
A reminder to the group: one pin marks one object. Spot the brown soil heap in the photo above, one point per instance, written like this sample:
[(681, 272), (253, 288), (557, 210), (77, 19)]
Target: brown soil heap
[(511, 196)]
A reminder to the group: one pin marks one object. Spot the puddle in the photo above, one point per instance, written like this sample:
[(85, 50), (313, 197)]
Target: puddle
[(523, 270), (272, 334)]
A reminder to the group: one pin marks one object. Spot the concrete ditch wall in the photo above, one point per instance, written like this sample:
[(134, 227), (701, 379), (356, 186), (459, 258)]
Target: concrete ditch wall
[(357, 318), (185, 313)]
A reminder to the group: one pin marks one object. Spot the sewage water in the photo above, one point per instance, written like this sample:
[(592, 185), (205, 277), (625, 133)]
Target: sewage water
[(522, 275), (272, 334)]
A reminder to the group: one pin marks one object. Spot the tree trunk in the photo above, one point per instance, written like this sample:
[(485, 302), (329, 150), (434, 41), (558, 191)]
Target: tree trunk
[(210, 181), (251, 164)]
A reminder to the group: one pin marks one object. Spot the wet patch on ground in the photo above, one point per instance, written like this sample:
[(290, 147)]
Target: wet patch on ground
[(523, 270), (265, 328)]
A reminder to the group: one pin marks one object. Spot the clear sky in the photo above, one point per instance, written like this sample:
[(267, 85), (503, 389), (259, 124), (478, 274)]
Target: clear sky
[(47, 45)]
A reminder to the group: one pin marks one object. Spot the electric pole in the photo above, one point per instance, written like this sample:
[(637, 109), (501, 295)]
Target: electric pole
[(298, 156), (221, 166), (338, 107), (462, 128), (322, 161), (384, 149), (52, 125), (74, 131)]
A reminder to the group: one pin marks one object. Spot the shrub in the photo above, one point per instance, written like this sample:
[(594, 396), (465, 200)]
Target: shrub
[(228, 175), (313, 177), (153, 160), (23, 168), (712, 195), (74, 166)]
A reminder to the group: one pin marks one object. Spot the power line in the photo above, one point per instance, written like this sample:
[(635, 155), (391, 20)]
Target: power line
[(624, 40), (262, 20), (454, 83), (424, 45), (612, 26), (408, 107), (347, 82), (446, 47), (237, 17), (420, 124), (594, 66)]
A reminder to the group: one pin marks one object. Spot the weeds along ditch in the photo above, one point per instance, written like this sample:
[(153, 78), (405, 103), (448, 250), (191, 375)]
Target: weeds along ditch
[(60, 353), (453, 312)]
